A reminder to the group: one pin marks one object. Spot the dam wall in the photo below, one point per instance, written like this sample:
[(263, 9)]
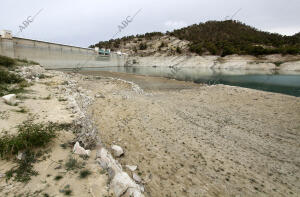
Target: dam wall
[(56, 56)]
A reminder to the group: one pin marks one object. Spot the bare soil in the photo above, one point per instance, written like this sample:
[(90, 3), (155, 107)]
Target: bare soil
[(43, 103), (198, 140)]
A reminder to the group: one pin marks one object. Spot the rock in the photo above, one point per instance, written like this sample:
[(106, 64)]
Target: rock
[(10, 99), (137, 178), (117, 150), (122, 182), (80, 150), (98, 95), (133, 192), (20, 156), (2, 175), (131, 168)]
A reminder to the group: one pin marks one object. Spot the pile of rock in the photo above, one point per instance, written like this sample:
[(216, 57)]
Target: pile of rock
[(31, 72), (121, 183)]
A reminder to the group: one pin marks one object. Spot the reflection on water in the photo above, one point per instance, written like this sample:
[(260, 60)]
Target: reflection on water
[(261, 80)]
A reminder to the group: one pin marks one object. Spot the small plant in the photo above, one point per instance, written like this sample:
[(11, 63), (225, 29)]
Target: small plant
[(72, 164), (58, 177), (30, 135), (178, 50), (278, 63), (143, 46), (84, 157), (6, 61), (66, 191), (43, 76), (9, 78), (64, 145), (24, 170), (84, 173)]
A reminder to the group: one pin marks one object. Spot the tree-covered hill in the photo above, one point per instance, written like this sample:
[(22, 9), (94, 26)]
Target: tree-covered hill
[(223, 38)]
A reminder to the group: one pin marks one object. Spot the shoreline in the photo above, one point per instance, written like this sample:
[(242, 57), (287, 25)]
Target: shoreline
[(243, 62)]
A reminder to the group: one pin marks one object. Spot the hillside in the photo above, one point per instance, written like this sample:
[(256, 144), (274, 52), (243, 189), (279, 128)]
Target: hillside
[(213, 37)]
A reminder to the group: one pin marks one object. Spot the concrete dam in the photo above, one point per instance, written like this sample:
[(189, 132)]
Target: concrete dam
[(57, 56)]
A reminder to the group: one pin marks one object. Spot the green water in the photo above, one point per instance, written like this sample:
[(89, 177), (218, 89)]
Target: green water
[(260, 80)]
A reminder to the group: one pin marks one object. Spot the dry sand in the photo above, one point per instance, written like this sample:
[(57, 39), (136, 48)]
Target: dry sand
[(45, 108), (198, 140)]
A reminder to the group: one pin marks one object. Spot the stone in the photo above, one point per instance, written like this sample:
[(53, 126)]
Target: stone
[(80, 150), (137, 178), (99, 95), (106, 161), (117, 150), (131, 168), (20, 156), (121, 182), (10, 99), (133, 192)]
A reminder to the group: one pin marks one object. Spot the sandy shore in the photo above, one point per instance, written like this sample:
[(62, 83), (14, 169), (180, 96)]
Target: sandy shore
[(198, 140), (43, 102)]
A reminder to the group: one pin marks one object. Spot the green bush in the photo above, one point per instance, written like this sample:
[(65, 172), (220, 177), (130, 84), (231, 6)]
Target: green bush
[(8, 77), (178, 50), (84, 173), (143, 46), (30, 135), (6, 61), (24, 170)]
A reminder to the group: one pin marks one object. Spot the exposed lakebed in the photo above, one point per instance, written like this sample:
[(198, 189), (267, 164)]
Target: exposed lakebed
[(272, 81)]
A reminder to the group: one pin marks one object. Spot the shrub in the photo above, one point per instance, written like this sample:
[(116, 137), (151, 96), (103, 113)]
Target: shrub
[(66, 191), (8, 77), (6, 61), (72, 164), (143, 46), (84, 173), (29, 136), (278, 63), (58, 177), (24, 170), (178, 50)]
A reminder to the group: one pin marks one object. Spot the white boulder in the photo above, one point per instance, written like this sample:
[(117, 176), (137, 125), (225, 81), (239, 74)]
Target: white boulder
[(80, 150), (10, 99), (117, 150)]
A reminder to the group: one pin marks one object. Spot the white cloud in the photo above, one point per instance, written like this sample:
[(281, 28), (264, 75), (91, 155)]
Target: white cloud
[(175, 24)]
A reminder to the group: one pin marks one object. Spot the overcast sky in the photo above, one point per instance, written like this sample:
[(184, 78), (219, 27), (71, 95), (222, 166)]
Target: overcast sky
[(85, 22)]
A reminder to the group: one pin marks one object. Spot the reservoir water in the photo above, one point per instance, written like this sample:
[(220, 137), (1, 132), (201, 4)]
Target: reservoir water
[(272, 81)]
